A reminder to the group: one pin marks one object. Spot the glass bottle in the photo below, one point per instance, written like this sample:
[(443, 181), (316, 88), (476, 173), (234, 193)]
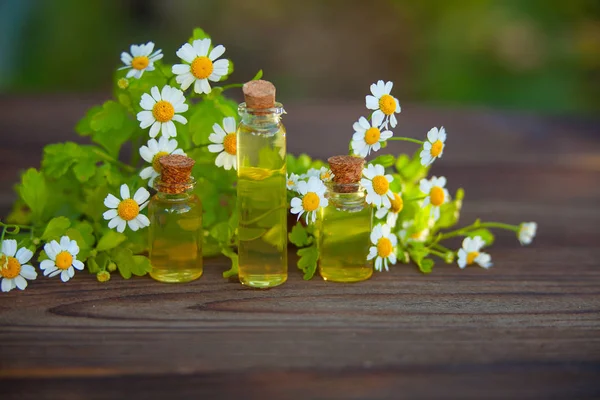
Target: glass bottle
[(344, 226), (261, 188), (175, 230)]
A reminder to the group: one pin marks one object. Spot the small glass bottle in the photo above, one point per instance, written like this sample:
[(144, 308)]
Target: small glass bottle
[(261, 188), (344, 226), (175, 215)]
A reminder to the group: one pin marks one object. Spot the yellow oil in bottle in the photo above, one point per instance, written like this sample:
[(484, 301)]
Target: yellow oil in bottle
[(175, 237), (262, 200), (343, 234)]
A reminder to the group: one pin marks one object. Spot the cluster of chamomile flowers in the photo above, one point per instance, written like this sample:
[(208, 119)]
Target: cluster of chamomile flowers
[(369, 136), (162, 108)]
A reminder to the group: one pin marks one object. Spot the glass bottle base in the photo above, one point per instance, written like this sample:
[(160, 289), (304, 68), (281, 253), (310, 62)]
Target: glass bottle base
[(263, 281), (346, 275), (176, 276)]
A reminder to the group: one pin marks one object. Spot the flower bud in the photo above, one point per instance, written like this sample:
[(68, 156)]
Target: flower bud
[(103, 276)]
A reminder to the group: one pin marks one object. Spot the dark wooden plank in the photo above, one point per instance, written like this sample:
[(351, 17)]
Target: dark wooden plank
[(527, 328)]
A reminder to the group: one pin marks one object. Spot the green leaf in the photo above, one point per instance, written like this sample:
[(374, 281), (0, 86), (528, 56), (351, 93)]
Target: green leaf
[(204, 115), (141, 265), (299, 236), (83, 126), (56, 228), (221, 232), (59, 157), (387, 160), (110, 240), (198, 34), (81, 234), (426, 265), (124, 260), (110, 118), (258, 75), (85, 169), (308, 261), (410, 169), (233, 271), (34, 192), (93, 266), (485, 234)]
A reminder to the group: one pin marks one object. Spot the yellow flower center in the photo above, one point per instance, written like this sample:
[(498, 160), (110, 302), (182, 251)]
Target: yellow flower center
[(140, 62), (163, 111), (384, 247), (310, 201), (416, 235), (290, 182), (471, 257), (230, 144), (397, 203), (325, 176), (157, 156), (64, 260), (128, 209), (436, 148), (380, 185), (372, 135), (387, 104), (202, 67), (12, 268), (437, 196)]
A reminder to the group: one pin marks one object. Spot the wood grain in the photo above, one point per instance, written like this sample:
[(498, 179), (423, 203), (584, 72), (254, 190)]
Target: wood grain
[(527, 328)]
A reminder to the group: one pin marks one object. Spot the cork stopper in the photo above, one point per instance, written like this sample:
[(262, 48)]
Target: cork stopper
[(175, 175), (259, 95), (346, 169)]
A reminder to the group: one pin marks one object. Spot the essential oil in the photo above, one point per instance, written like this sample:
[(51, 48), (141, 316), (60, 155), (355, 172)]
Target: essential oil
[(344, 226), (261, 188), (175, 215)]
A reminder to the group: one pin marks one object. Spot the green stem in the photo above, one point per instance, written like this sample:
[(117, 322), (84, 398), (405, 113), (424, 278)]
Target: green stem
[(407, 139), (437, 253), (462, 231), (199, 146), (441, 248), (112, 160), (232, 85), (416, 198)]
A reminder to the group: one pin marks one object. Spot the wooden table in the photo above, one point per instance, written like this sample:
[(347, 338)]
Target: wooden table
[(527, 328)]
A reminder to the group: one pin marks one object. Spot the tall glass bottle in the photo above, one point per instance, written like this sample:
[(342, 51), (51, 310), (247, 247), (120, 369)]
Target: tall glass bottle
[(344, 226), (175, 215), (261, 188)]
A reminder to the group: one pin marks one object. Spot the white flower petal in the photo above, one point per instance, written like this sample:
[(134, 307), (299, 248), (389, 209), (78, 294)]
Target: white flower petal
[(23, 255), (9, 247)]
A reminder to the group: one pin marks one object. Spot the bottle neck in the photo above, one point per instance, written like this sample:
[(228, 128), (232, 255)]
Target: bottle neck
[(174, 191), (261, 118), (346, 196)]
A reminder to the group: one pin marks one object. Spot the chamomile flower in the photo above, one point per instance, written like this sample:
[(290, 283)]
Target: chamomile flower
[(152, 152), (325, 174), (310, 173), (225, 143), (140, 60), (392, 212), (409, 234), (436, 193), (384, 247), (369, 136), (62, 259), (377, 184), (471, 253), (434, 146), (127, 211), (200, 65), (312, 197), (383, 103), (527, 232), (292, 181), (161, 109), (14, 269)]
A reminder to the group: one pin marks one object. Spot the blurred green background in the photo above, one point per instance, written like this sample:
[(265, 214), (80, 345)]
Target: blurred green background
[(539, 55)]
